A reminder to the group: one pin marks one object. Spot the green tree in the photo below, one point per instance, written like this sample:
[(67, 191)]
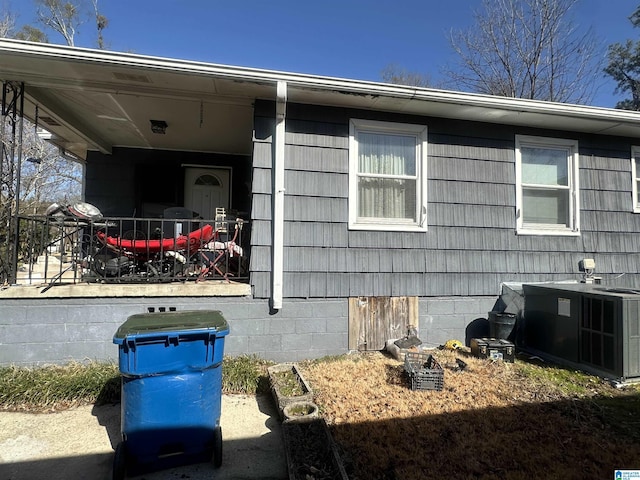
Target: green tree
[(31, 34), (526, 49), (624, 68)]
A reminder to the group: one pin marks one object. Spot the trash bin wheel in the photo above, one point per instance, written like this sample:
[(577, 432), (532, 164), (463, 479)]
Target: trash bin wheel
[(217, 447), (120, 462)]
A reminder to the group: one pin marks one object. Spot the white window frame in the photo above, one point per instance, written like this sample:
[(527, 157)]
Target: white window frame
[(573, 169), (357, 126), (635, 177)]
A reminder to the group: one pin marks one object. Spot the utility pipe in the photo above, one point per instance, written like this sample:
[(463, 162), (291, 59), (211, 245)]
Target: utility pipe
[(277, 217)]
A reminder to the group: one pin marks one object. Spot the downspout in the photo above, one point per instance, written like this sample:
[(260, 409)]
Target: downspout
[(277, 218)]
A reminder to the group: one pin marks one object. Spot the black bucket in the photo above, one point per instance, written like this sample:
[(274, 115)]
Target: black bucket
[(501, 325)]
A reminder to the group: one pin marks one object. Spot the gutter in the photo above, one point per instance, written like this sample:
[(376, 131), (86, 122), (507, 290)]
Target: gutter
[(319, 83), (277, 217)]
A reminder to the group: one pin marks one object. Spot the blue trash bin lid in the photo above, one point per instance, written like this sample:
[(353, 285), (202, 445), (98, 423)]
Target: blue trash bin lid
[(146, 323)]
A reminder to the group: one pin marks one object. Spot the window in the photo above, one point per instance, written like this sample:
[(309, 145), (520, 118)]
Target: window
[(635, 178), (547, 200), (209, 180), (387, 176)]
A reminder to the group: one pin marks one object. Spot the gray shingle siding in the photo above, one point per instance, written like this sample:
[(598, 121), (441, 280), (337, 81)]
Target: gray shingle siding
[(471, 245)]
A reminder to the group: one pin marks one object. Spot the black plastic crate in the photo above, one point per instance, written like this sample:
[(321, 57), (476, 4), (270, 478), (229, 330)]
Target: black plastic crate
[(493, 348), (424, 371)]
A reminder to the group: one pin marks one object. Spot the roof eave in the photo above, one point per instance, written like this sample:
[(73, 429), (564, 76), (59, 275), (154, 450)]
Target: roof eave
[(514, 111)]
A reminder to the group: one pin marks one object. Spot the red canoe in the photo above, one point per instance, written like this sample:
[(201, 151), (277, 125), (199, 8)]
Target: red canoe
[(193, 241)]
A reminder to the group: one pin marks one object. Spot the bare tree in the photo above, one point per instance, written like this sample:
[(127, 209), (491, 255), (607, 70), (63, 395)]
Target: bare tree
[(67, 16), (43, 176), (46, 175), (7, 24), (60, 16), (101, 23), (393, 73), (527, 49)]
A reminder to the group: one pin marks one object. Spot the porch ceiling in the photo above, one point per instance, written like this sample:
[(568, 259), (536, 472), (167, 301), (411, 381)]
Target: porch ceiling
[(97, 100), (93, 105)]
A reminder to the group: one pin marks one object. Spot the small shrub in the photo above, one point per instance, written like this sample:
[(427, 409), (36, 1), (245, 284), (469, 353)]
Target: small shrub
[(245, 374)]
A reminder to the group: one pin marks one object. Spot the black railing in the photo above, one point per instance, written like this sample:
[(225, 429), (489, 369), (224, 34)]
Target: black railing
[(63, 249)]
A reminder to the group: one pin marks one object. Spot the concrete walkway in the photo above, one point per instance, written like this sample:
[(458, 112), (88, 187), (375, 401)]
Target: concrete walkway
[(79, 444)]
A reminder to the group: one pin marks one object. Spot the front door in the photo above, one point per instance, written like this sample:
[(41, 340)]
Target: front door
[(206, 189)]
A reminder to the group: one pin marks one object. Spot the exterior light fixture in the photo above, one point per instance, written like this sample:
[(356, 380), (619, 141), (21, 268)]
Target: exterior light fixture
[(158, 126)]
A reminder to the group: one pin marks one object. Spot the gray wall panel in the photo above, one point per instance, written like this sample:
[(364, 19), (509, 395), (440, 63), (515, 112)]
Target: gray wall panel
[(262, 155), (262, 181), (317, 159), (261, 207), (487, 216), (260, 259), (309, 209), (316, 184), (610, 201), (261, 232), (500, 151), (471, 244), (315, 234), (467, 170), (616, 181), (254, 329), (448, 192)]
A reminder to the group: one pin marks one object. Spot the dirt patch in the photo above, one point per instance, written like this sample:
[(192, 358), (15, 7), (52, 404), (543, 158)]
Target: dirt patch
[(79, 443), (489, 421)]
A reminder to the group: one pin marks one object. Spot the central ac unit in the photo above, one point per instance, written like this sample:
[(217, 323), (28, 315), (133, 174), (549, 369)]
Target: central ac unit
[(588, 327)]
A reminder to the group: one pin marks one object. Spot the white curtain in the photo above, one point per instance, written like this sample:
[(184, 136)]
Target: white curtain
[(386, 176), (545, 182)]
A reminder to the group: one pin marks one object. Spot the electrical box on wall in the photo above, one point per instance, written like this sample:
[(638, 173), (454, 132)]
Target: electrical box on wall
[(587, 264)]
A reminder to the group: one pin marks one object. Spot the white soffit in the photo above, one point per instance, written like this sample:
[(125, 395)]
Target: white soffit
[(77, 70)]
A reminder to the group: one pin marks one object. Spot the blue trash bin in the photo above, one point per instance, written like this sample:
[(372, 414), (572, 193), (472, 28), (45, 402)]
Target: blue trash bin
[(171, 372)]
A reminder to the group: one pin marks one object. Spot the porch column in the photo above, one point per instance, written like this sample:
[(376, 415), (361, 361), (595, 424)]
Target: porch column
[(277, 219)]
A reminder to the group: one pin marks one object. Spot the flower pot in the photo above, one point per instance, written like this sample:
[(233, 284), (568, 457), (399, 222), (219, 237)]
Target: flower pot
[(288, 385), (300, 411), (311, 451)]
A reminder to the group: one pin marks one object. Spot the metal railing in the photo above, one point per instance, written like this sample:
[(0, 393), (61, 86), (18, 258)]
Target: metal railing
[(68, 250)]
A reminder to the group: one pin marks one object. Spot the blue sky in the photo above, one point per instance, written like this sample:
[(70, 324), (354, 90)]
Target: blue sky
[(338, 38)]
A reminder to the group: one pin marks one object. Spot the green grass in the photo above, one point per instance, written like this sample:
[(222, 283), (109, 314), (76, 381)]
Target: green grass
[(288, 383), (54, 387), (619, 409), (58, 387), (568, 382)]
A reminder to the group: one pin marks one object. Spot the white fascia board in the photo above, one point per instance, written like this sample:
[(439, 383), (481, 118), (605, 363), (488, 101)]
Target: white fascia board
[(312, 82)]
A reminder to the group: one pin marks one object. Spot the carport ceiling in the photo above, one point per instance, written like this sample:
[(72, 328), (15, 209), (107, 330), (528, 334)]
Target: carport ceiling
[(101, 106)]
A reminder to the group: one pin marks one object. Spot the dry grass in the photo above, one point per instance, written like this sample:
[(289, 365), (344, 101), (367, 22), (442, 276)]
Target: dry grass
[(59, 387), (493, 420)]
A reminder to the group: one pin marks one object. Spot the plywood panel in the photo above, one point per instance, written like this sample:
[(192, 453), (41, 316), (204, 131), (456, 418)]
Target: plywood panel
[(374, 320)]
